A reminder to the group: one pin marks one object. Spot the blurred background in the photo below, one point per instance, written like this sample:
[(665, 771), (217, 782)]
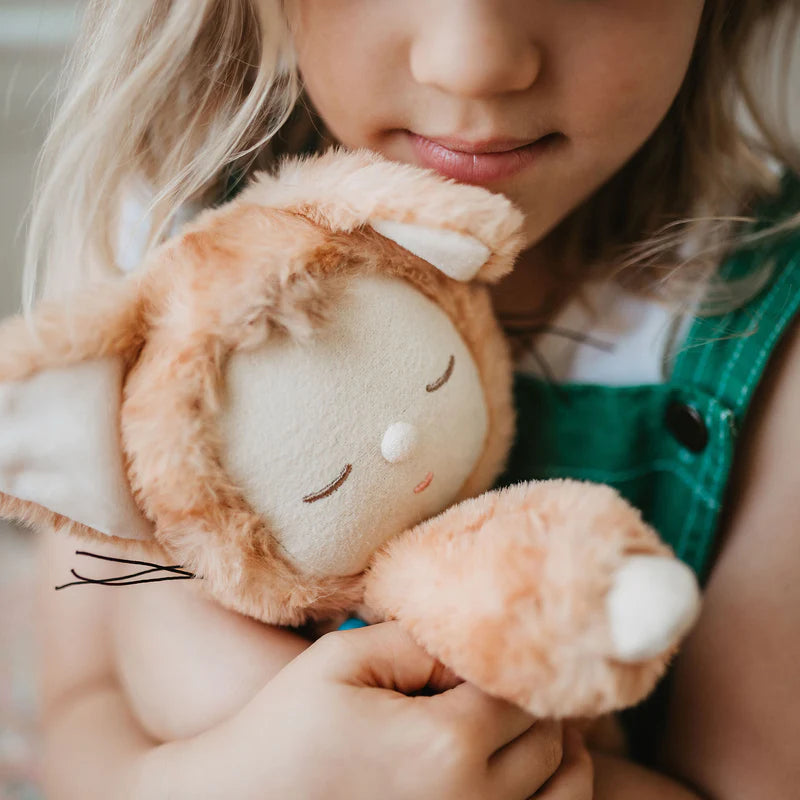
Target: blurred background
[(34, 38)]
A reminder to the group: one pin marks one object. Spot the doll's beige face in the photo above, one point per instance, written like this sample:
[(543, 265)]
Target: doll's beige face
[(454, 85), (347, 440)]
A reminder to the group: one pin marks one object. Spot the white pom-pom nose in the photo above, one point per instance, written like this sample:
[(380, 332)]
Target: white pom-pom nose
[(653, 602), (399, 442)]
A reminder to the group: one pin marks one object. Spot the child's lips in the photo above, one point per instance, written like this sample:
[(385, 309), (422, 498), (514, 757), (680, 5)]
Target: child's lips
[(479, 162), (424, 483)]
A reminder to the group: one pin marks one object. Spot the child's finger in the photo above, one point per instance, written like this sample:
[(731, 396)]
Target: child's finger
[(574, 779), (492, 722), (383, 656), (523, 766), (444, 679)]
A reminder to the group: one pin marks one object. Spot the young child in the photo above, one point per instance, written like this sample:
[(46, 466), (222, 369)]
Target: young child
[(662, 360)]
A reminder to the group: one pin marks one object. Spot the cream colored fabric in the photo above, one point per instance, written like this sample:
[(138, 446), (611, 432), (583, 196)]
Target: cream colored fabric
[(653, 602), (297, 415), (457, 255), (60, 446)]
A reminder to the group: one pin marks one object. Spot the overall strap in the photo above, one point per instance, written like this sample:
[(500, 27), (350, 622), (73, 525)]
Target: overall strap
[(716, 375), (727, 355)]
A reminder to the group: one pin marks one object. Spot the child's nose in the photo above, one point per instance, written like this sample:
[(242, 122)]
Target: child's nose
[(399, 442), (475, 51)]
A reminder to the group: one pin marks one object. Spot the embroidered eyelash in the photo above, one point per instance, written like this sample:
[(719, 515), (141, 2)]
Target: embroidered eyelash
[(437, 384), (331, 487), (177, 573), (345, 473)]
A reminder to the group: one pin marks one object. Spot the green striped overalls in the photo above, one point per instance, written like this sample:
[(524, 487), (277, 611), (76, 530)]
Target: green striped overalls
[(669, 448)]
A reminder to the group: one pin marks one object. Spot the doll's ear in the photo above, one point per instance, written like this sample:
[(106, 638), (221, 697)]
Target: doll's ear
[(457, 255), (61, 375), (465, 231)]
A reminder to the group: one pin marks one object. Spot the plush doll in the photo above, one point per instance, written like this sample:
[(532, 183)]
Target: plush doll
[(303, 401)]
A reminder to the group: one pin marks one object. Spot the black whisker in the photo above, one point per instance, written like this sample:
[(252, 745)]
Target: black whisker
[(92, 582), (135, 562), (176, 573), (122, 577)]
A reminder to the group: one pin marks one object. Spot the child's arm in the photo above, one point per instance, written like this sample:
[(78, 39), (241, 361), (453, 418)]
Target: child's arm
[(126, 669), (618, 779), (90, 740), (337, 707), (182, 661), (186, 663)]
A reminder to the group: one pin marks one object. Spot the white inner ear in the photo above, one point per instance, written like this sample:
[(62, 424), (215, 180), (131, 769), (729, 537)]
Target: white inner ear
[(457, 255), (60, 446)]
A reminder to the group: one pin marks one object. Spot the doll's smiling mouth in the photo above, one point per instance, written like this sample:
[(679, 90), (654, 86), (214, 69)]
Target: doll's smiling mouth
[(424, 483)]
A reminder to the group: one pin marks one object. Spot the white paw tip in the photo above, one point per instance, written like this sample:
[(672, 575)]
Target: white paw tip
[(653, 602)]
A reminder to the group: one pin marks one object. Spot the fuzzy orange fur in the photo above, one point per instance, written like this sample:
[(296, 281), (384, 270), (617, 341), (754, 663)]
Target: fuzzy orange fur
[(546, 554), (344, 191)]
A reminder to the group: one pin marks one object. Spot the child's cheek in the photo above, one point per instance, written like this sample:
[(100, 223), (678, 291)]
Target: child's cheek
[(616, 86), (353, 64), (620, 83)]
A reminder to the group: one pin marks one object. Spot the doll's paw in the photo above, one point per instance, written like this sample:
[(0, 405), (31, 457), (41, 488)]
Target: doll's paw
[(553, 595), (653, 602)]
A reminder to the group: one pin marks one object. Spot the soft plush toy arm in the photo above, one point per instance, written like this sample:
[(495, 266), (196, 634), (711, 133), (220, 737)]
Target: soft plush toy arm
[(554, 595), (61, 373), (60, 457)]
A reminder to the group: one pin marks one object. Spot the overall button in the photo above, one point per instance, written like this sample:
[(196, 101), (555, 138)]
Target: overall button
[(686, 424)]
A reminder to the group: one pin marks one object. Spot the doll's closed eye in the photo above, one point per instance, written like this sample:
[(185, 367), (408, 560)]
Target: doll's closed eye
[(331, 487), (328, 490), (442, 379)]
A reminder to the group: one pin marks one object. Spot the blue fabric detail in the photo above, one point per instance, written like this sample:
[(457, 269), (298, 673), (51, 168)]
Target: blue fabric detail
[(352, 623)]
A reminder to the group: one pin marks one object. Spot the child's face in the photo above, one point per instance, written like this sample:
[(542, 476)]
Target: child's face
[(459, 84)]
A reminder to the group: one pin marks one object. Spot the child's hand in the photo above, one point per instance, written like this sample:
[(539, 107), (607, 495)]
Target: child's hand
[(574, 779), (337, 723)]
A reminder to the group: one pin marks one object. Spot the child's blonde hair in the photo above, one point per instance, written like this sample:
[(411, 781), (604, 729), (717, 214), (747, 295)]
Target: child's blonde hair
[(183, 92)]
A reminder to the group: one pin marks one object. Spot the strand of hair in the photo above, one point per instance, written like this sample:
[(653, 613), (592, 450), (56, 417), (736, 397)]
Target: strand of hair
[(565, 333)]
